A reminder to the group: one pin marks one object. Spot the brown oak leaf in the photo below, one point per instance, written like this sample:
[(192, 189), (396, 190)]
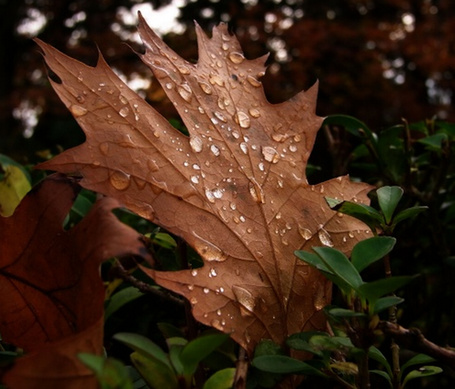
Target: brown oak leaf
[(235, 189), (51, 293)]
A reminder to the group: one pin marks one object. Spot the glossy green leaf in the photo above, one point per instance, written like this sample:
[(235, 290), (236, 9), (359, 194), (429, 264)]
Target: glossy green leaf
[(370, 216), (419, 359), (340, 265), (370, 250), (388, 198), (282, 364), (424, 371), (373, 290), (164, 240), (121, 298), (222, 379), (156, 374), (110, 373), (352, 125), (175, 346), (386, 302), (198, 349), (375, 354), (143, 345), (267, 347), (331, 342), (408, 213)]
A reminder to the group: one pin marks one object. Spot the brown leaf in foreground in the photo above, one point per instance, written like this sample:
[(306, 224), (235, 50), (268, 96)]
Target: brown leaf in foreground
[(235, 190), (51, 294)]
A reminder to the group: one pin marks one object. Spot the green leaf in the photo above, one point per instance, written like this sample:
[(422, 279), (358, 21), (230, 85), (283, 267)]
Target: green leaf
[(156, 374), (313, 260), (340, 265), (408, 213), (143, 345), (345, 313), (434, 142), (120, 299), (267, 347), (388, 198), (198, 349), (164, 240), (423, 371), (375, 354), (384, 375), (222, 379), (386, 302), (370, 250), (282, 364), (352, 125), (175, 346), (419, 359), (370, 216), (82, 204), (375, 289), (300, 341), (110, 373), (331, 342)]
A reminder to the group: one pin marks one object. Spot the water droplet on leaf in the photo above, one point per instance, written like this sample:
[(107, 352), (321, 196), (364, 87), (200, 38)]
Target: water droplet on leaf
[(236, 57), (242, 119), (325, 238), (120, 180), (124, 112), (196, 144), (245, 299), (208, 250), (270, 154), (78, 111)]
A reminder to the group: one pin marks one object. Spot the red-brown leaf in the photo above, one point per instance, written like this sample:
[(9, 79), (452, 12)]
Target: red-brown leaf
[(235, 190), (51, 294)]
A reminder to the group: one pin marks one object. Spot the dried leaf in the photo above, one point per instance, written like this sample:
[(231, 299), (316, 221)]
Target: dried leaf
[(235, 190), (51, 294)]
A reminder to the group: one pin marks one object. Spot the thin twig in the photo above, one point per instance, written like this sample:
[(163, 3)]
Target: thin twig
[(143, 286), (241, 370), (414, 340)]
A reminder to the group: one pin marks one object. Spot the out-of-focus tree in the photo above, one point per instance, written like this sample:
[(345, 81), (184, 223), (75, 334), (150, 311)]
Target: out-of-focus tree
[(377, 60)]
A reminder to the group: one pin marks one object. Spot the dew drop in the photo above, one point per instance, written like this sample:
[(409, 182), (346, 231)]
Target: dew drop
[(152, 165), (104, 148), (206, 290), (254, 112), (123, 99), (305, 233), (193, 300), (325, 238), (183, 69), (194, 272), (244, 147), (209, 251), (124, 112), (185, 92), (242, 119), (206, 88), (293, 148), (261, 166), (215, 150), (270, 154), (195, 179), (233, 206), (256, 191), (169, 85), (216, 324), (80, 99), (196, 144), (213, 272), (253, 81), (217, 193), (78, 111), (218, 312), (236, 57), (245, 299), (216, 80), (120, 180), (220, 116)]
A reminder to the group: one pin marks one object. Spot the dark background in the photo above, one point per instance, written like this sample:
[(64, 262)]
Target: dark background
[(379, 61)]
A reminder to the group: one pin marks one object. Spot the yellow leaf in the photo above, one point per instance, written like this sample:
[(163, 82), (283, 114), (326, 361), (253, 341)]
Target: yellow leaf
[(13, 188)]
